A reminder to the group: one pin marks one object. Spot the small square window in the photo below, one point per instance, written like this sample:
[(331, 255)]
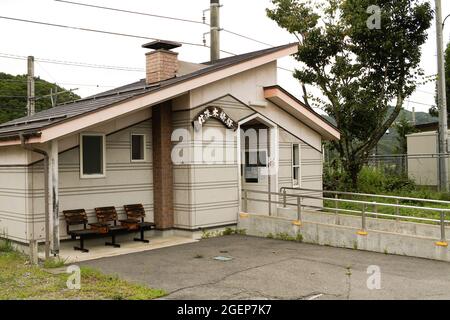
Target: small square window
[(137, 147)]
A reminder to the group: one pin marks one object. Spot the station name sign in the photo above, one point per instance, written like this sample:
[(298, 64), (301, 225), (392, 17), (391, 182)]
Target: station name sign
[(214, 113)]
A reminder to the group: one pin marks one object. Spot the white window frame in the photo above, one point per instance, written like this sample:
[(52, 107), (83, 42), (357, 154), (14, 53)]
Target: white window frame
[(299, 166), (144, 146), (93, 176)]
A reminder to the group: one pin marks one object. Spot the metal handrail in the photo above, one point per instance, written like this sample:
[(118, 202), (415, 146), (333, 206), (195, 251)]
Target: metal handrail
[(381, 196), (365, 204)]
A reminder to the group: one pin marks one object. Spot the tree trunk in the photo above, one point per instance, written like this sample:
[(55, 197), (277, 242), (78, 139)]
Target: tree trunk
[(352, 168), (354, 172)]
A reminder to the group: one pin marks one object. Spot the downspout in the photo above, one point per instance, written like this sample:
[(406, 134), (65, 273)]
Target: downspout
[(46, 191)]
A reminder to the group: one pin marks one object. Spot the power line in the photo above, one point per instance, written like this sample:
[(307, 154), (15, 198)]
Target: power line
[(247, 37), (72, 63), (43, 82), (420, 103), (105, 32), (427, 92), (95, 30), (120, 68), (132, 12), (162, 17)]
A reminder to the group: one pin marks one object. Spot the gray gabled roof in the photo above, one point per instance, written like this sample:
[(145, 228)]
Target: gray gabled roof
[(31, 125)]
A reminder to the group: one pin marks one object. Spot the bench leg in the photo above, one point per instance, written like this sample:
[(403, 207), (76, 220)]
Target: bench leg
[(141, 239), (113, 242), (81, 247)]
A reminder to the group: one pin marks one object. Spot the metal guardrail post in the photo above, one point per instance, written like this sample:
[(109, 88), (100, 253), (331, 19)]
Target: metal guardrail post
[(363, 231), (443, 237), (299, 208), (364, 217), (375, 209), (336, 211), (245, 201), (397, 209), (284, 198)]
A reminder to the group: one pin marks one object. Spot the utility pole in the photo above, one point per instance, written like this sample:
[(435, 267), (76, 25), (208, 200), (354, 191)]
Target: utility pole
[(31, 109), (54, 96), (442, 102), (215, 30)]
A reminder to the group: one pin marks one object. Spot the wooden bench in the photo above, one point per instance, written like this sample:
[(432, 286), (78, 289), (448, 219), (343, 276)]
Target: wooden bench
[(107, 221), (135, 221), (79, 217)]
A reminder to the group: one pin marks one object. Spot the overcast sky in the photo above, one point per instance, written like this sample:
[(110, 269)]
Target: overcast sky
[(247, 17)]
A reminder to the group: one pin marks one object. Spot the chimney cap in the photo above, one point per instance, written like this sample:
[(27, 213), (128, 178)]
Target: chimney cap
[(162, 44)]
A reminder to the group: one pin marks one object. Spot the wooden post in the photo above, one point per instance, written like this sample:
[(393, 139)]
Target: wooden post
[(47, 207), (54, 196), (299, 208)]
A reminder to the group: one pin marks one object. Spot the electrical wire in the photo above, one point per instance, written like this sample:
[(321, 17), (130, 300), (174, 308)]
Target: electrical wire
[(94, 30), (420, 103), (163, 17), (72, 63), (132, 12)]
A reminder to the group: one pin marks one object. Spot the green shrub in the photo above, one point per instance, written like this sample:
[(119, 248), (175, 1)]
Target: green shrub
[(370, 180), (6, 245)]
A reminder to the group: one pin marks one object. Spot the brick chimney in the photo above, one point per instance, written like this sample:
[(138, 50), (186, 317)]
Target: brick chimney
[(161, 63)]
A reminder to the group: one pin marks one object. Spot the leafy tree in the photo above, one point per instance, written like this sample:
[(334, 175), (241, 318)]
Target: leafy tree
[(13, 92), (434, 111), (361, 71)]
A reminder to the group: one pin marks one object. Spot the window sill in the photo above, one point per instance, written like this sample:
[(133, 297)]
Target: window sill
[(138, 161), (93, 176)]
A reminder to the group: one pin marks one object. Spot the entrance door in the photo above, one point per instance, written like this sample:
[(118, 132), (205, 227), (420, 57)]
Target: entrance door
[(256, 150)]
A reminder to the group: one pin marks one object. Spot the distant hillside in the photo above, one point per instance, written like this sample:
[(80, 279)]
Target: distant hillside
[(388, 144), (13, 92)]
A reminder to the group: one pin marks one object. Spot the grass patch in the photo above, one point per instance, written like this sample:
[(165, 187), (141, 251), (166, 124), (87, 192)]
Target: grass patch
[(286, 237), (227, 232), (52, 263), (19, 280)]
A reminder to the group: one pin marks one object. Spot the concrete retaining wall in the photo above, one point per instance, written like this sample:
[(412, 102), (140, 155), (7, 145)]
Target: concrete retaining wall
[(345, 236), (387, 225)]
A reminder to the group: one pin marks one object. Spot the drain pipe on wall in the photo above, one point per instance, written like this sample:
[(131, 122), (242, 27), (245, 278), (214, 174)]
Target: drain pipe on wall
[(46, 192)]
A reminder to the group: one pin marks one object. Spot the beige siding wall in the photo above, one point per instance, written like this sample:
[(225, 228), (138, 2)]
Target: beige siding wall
[(15, 211), (311, 167), (206, 193), (15, 214), (125, 182)]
